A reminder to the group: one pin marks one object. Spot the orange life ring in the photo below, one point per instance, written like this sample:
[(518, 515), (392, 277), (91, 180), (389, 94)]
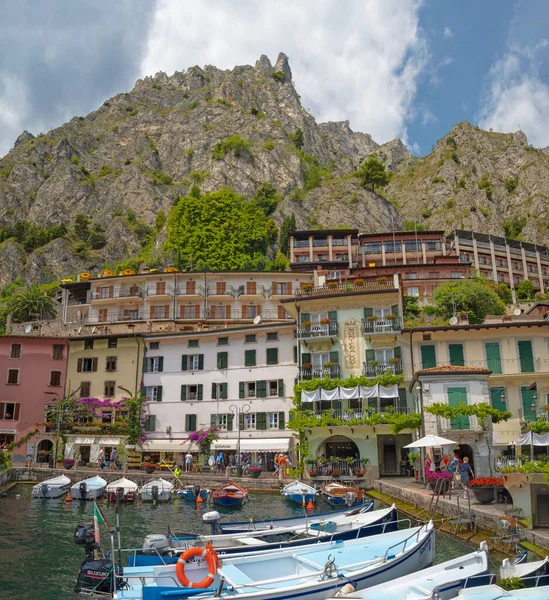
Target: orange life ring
[(209, 554)]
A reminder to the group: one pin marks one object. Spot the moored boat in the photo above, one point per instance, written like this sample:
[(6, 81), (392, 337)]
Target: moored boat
[(299, 492), (88, 489), (494, 592), (192, 492), (157, 490), (523, 569), (230, 494), (52, 488), (337, 494), (121, 490)]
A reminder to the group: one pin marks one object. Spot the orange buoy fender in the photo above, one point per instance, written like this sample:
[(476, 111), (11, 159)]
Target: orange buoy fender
[(209, 554)]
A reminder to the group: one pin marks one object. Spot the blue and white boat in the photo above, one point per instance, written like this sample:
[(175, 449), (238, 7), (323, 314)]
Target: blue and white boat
[(52, 488), (157, 490), (162, 548), (299, 492), (338, 494), (268, 524), (304, 573), (230, 494), (89, 489), (494, 592), (442, 581), (522, 569), (189, 492)]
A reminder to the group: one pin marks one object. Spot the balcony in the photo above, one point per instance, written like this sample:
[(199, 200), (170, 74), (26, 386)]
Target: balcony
[(319, 372), (220, 292), (370, 326), (318, 332), (347, 414), (190, 290), (281, 291), (373, 368), (160, 292), (106, 296), (122, 316), (380, 284), (256, 292)]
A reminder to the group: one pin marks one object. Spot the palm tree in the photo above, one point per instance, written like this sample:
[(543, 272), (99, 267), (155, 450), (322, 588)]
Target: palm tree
[(30, 305)]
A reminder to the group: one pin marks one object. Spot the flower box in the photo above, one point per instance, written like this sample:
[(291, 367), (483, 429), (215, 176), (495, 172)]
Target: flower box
[(359, 281), (391, 317), (325, 321), (484, 495), (68, 463), (149, 467), (306, 324), (336, 473), (255, 472), (328, 365), (372, 318), (359, 473), (307, 365), (332, 284), (313, 473)]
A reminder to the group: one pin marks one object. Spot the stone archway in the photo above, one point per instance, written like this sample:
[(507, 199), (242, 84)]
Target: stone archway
[(44, 446), (339, 446)]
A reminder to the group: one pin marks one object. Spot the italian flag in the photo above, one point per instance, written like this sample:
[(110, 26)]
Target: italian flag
[(98, 519)]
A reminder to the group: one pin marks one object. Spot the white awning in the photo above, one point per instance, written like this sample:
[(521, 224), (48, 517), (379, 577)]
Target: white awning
[(84, 441), (109, 441), (505, 438), (255, 445), (169, 446)]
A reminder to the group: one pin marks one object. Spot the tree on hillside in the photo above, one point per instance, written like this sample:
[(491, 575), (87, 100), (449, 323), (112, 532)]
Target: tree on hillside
[(288, 225), (526, 290), (221, 229), (470, 296), (373, 172), (32, 304)]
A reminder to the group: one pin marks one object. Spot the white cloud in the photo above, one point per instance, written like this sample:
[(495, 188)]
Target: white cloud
[(516, 96), (14, 108), (361, 63), (448, 33)]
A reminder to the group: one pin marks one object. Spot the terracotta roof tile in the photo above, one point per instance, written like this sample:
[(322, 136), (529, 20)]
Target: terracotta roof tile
[(454, 369)]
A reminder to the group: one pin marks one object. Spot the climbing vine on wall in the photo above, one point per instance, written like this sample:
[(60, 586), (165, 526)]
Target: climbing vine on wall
[(482, 411)]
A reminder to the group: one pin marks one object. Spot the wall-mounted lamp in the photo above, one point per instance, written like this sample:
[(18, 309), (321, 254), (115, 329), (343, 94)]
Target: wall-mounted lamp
[(502, 398), (169, 430)]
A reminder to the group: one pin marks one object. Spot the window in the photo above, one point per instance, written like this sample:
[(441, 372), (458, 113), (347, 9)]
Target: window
[(9, 411), (455, 352), (87, 365), (457, 275), (192, 392), (249, 421), (222, 360), (193, 344), (302, 258), (195, 362), (130, 314), (15, 351), (251, 288), (341, 256), (391, 247), (373, 248), (384, 355), (497, 398), (250, 338), (220, 288), (189, 312), (55, 378), (106, 292), (320, 359), (412, 276), (412, 291), (282, 288), (112, 343), (223, 341), (160, 312), (154, 345), (282, 314), (102, 315), (274, 387), (191, 287), (88, 344), (190, 422), (250, 389), (160, 288), (251, 312), (58, 352), (272, 356), (154, 393), (222, 421), (272, 336), (250, 358), (110, 364), (220, 312), (155, 364), (412, 246), (321, 257), (432, 246), (219, 391), (13, 376), (106, 416), (272, 420), (85, 389), (110, 389)]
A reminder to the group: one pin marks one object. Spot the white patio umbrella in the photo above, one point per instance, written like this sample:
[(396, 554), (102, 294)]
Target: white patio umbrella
[(430, 441)]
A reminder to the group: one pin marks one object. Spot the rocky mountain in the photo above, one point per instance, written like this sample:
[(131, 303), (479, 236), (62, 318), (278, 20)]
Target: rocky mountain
[(111, 177)]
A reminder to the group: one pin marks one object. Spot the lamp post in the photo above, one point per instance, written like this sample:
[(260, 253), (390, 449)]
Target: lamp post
[(237, 412)]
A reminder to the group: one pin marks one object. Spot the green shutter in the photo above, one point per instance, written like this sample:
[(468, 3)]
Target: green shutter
[(332, 315), (150, 423), (370, 355), (159, 393), (398, 352), (143, 391), (223, 391), (527, 401), (145, 364), (295, 354), (160, 364), (188, 423), (493, 356), (456, 355), (241, 422), (230, 422), (200, 391), (526, 356), (272, 356), (184, 362), (200, 362), (241, 389), (183, 392), (261, 420), (457, 396), (394, 309), (249, 358), (368, 312), (428, 356), (281, 423), (306, 357), (261, 389), (213, 420), (402, 399), (305, 317), (222, 360), (281, 387), (193, 422), (334, 357), (495, 398), (214, 391)]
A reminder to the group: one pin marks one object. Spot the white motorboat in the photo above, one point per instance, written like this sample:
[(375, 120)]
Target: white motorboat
[(52, 488), (121, 490), (157, 490), (89, 489), (442, 581), (299, 492), (524, 569), (494, 592)]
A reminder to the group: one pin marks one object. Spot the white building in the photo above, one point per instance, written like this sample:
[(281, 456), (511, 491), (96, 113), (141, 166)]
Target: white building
[(239, 380)]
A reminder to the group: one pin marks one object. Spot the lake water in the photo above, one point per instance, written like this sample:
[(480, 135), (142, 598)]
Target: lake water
[(38, 560)]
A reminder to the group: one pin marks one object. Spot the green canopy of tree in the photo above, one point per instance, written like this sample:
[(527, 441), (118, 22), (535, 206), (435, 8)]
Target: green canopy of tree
[(288, 225), (373, 172), (31, 305), (468, 295), (526, 290), (221, 229)]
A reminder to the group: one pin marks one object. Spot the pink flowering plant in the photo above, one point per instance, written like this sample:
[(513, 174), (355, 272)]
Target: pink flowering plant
[(435, 475), (204, 438)]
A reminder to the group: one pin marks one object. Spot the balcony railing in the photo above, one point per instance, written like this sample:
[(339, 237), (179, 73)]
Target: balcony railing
[(117, 317), (335, 468), (375, 368), (381, 325), (349, 413), (160, 291), (319, 372), (345, 288), (136, 292), (318, 331), (187, 290)]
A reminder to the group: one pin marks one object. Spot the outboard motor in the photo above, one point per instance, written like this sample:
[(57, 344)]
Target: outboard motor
[(156, 542), (95, 576), (83, 488), (84, 535), (44, 490), (154, 493), (119, 494), (213, 518), (197, 490), (350, 498)]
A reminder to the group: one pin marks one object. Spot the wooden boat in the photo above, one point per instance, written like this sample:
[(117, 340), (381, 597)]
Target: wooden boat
[(251, 525), (494, 592), (230, 494), (523, 569), (52, 488), (89, 489), (442, 581), (337, 494), (309, 573), (157, 490), (189, 492), (299, 492), (121, 490), (158, 548)]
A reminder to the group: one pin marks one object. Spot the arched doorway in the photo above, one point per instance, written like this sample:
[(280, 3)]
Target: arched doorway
[(463, 450), (44, 450), (340, 446)]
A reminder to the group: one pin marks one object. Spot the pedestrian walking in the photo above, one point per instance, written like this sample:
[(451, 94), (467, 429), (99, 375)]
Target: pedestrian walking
[(188, 462), (466, 473), (101, 458)]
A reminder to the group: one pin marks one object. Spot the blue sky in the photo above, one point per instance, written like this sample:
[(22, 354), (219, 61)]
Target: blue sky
[(407, 69)]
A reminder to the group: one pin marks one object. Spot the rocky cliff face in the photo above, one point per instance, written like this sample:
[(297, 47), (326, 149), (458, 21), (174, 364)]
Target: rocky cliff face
[(140, 151)]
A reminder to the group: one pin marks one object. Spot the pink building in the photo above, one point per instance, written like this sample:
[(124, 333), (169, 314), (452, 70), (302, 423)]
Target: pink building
[(32, 371)]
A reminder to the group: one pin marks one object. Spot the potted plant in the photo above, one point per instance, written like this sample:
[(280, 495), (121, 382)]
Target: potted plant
[(307, 287), (149, 467), (434, 477), (332, 284), (307, 365), (68, 463), (325, 321), (306, 324), (359, 473), (381, 279), (374, 363), (254, 472), (484, 488), (328, 365), (359, 281), (394, 360), (313, 473), (372, 318), (391, 317)]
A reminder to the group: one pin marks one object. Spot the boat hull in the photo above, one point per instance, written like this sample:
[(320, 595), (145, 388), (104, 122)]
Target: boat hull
[(162, 497), (300, 499), (129, 496), (91, 493), (228, 501), (50, 491), (191, 496), (339, 501)]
